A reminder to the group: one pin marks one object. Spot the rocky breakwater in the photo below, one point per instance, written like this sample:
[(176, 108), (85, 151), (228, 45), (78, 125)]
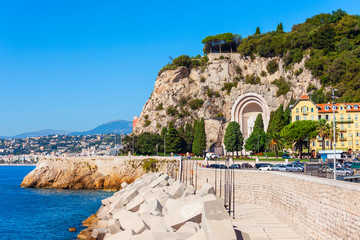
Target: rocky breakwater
[(157, 207), (105, 173)]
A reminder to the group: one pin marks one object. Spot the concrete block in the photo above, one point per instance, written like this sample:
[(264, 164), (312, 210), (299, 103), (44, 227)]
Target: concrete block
[(206, 189), (123, 235), (113, 226), (102, 224), (99, 233), (152, 221), (124, 185), (158, 180), (130, 221), (178, 216), (188, 191), (171, 181), (163, 236), (162, 228), (216, 222), (153, 207), (177, 189), (104, 214), (200, 235), (189, 227), (135, 203), (128, 196), (149, 178)]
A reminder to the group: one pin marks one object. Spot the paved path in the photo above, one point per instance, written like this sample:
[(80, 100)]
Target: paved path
[(256, 222)]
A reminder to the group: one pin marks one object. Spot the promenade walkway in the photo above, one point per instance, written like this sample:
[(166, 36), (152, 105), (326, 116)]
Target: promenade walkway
[(256, 222)]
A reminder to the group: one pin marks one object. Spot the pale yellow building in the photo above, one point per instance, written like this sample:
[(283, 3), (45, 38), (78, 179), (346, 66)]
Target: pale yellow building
[(346, 119)]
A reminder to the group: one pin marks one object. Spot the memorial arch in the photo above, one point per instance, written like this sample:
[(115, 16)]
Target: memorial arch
[(245, 110)]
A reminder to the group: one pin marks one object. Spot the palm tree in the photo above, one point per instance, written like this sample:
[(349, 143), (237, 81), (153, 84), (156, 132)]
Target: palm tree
[(323, 129), (276, 142), (331, 133)]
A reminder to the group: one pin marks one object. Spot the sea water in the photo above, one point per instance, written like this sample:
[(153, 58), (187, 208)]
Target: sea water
[(27, 213)]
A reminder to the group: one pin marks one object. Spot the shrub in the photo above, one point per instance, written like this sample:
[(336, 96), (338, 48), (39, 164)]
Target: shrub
[(272, 66), (171, 111), (146, 117), (183, 101), (160, 107), (252, 79), (182, 60), (298, 72), (202, 79), (311, 87), (147, 123), (229, 86), (263, 73), (149, 165), (196, 104), (221, 57), (283, 86), (238, 70)]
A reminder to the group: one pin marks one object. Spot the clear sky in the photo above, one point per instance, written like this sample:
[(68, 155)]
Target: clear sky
[(75, 64)]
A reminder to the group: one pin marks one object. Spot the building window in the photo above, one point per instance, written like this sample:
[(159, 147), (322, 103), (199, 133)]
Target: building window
[(348, 107), (334, 107), (314, 144), (349, 142), (342, 127), (326, 107), (341, 117), (349, 125), (320, 144), (312, 109), (349, 134), (341, 108), (341, 135), (356, 117), (342, 143), (357, 142), (297, 110), (356, 106), (312, 117), (327, 117), (304, 117), (297, 118), (327, 143), (356, 124), (357, 134)]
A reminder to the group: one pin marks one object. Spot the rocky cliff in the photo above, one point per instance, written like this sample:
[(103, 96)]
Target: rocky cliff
[(218, 85), (94, 173)]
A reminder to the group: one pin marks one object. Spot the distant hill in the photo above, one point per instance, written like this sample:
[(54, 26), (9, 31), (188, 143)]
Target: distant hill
[(116, 126), (41, 133)]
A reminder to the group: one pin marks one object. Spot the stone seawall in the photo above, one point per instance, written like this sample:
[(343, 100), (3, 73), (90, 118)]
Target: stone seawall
[(317, 208), (95, 172)]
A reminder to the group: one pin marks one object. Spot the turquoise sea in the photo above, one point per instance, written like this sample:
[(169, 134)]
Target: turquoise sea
[(42, 213)]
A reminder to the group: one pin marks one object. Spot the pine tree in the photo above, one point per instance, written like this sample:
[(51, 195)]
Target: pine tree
[(257, 30), (199, 143), (233, 138), (277, 120), (279, 28), (173, 141), (257, 139), (189, 137)]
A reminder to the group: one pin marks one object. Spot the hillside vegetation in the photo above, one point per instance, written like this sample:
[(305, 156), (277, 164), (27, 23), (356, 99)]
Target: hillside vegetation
[(332, 41)]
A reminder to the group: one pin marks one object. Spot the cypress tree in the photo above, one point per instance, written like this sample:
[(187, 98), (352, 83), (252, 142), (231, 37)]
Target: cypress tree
[(257, 139), (233, 138), (173, 141), (189, 137), (257, 30), (199, 143), (277, 120), (279, 28)]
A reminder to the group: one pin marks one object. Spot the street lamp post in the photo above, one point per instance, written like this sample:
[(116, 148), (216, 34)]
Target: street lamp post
[(333, 95)]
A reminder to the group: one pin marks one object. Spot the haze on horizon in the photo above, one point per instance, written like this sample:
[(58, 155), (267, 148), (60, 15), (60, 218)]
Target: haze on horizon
[(73, 65)]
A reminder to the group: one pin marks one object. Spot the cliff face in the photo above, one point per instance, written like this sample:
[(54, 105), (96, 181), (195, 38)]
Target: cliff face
[(176, 88), (89, 173)]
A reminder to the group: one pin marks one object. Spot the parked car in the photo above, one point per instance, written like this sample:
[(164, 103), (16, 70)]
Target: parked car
[(246, 165), (211, 155), (235, 166), (340, 171), (214, 165), (327, 169), (222, 166), (258, 165), (265, 167), (347, 164), (279, 167), (294, 168), (286, 156), (355, 165)]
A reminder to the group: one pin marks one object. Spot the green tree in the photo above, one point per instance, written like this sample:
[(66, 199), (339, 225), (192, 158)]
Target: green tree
[(300, 133), (173, 141), (257, 139), (257, 30), (147, 143), (279, 28), (323, 130), (199, 143), (189, 137), (276, 142), (277, 120), (233, 138)]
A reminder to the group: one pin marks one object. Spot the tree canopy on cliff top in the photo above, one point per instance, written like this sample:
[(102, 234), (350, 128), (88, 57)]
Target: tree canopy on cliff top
[(331, 39)]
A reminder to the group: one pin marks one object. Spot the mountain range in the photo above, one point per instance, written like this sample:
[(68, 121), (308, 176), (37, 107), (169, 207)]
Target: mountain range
[(116, 126)]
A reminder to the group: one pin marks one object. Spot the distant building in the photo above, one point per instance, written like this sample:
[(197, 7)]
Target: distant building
[(135, 121)]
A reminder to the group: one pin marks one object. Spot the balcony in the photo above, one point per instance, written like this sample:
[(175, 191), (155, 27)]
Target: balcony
[(344, 121), (342, 138)]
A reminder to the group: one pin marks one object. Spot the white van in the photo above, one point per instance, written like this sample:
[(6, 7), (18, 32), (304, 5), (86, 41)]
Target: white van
[(211, 155)]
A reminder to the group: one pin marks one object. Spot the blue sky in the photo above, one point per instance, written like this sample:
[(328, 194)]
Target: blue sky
[(73, 65)]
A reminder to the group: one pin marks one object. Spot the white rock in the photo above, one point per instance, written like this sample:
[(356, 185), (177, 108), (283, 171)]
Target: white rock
[(206, 189), (113, 226), (189, 227), (124, 185), (124, 235), (99, 233), (177, 189), (135, 203), (130, 221)]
